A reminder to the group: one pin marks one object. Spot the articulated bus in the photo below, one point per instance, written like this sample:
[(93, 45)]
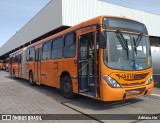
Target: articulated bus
[(106, 58)]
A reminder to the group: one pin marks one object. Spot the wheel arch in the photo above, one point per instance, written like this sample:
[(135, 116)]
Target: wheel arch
[(30, 71)]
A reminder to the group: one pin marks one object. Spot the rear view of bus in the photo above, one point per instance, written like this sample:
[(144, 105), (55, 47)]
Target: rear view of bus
[(125, 59)]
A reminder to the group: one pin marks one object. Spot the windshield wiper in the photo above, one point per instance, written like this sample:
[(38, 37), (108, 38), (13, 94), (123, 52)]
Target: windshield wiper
[(135, 45), (121, 39), (123, 42), (137, 41), (139, 38)]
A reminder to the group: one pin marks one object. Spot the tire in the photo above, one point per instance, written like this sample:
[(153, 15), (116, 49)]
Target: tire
[(67, 88), (31, 80)]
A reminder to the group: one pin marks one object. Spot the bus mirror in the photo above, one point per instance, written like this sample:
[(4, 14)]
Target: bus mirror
[(102, 40)]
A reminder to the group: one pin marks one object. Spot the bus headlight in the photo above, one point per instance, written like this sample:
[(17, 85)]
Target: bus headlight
[(149, 81), (111, 82)]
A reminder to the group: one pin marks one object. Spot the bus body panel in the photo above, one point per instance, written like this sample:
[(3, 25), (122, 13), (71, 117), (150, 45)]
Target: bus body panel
[(47, 72), (120, 93)]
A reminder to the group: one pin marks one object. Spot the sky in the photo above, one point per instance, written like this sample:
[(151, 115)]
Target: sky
[(152, 6), (14, 14)]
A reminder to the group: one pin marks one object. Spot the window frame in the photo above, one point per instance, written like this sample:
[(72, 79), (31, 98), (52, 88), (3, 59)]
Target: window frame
[(74, 43), (16, 57), (50, 41), (28, 54), (19, 58), (60, 37)]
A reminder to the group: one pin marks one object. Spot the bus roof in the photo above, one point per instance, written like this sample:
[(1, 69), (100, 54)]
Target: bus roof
[(96, 20)]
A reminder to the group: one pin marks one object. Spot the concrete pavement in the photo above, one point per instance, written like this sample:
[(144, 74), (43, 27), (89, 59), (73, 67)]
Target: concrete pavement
[(18, 97)]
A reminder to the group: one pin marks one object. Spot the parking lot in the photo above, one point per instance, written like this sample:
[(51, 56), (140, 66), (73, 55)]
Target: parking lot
[(18, 97)]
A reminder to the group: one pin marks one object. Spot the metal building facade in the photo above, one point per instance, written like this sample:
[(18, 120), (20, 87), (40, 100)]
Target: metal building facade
[(76, 11), (71, 12)]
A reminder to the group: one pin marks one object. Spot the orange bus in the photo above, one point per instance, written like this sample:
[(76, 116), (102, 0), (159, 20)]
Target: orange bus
[(2, 65), (106, 58)]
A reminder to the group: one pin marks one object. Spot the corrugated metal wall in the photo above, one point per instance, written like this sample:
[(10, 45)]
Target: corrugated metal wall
[(47, 19), (76, 11)]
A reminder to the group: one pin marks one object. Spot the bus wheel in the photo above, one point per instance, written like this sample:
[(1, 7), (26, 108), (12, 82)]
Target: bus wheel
[(31, 80), (67, 88)]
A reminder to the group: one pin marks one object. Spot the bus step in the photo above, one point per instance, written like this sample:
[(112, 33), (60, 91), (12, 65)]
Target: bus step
[(84, 90), (91, 84), (88, 93)]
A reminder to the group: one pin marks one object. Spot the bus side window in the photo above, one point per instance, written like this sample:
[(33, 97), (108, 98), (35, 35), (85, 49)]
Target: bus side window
[(46, 54), (69, 46), (57, 47), (16, 58), (36, 55), (31, 54), (19, 58), (10, 60), (27, 55)]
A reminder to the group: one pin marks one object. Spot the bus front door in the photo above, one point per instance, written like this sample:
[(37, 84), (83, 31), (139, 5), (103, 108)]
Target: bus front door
[(87, 68)]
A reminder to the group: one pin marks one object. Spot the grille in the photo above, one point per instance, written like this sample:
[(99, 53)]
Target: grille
[(135, 92), (140, 76), (132, 77), (133, 84)]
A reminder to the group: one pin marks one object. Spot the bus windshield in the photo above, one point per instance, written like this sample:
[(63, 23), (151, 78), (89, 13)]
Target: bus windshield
[(128, 52)]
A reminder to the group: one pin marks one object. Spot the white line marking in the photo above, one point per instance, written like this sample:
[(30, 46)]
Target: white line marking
[(155, 95)]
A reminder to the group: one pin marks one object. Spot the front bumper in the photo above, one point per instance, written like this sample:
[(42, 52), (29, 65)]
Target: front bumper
[(117, 94)]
